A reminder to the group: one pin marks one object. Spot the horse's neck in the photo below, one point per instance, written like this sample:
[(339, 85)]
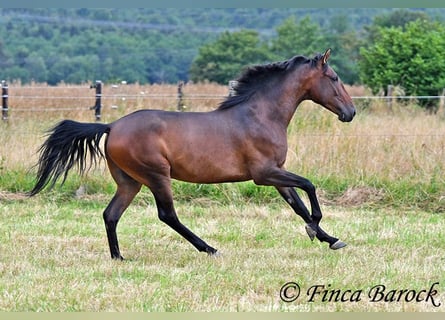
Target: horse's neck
[(295, 91), (282, 105), (268, 110), (277, 102)]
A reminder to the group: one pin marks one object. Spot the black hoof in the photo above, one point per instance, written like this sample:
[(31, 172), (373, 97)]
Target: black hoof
[(337, 245), (311, 232)]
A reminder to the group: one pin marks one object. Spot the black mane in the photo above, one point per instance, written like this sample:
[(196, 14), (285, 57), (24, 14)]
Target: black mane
[(254, 77)]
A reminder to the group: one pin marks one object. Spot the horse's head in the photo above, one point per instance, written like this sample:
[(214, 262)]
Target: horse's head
[(327, 89)]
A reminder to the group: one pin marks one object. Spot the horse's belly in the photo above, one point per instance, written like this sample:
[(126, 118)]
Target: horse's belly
[(209, 169)]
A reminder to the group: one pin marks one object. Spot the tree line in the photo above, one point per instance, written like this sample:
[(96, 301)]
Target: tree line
[(376, 48)]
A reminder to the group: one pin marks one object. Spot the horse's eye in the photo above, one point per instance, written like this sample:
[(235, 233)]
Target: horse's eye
[(332, 76)]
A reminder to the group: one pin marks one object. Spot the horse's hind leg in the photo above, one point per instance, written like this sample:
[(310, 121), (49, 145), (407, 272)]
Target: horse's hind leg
[(161, 189), (127, 188)]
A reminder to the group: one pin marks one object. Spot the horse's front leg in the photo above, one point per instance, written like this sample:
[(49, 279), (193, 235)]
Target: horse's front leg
[(292, 198), (285, 181)]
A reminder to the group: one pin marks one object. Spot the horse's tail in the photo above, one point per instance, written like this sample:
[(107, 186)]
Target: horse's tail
[(68, 144)]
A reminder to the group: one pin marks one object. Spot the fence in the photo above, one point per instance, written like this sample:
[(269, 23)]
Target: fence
[(83, 93), (17, 98)]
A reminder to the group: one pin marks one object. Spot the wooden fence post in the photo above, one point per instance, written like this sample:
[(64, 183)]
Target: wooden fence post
[(441, 109), (5, 97), (232, 86), (98, 104), (389, 95), (180, 106)]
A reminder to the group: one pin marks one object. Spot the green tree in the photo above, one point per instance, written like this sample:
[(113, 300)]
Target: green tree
[(397, 18), (16, 73), (307, 38), (344, 42), (36, 67), (223, 59), (297, 38), (410, 57)]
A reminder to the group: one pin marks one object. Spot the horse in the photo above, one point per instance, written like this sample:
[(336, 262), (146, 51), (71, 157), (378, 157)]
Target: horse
[(244, 138)]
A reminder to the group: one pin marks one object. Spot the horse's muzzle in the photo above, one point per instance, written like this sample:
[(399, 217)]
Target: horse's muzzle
[(347, 115)]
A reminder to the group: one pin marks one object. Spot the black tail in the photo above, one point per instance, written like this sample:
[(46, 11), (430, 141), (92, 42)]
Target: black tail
[(68, 144)]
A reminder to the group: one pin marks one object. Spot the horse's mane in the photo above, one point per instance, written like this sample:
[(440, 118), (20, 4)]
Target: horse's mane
[(254, 77)]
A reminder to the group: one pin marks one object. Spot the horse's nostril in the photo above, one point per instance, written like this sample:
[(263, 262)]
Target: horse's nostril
[(346, 116)]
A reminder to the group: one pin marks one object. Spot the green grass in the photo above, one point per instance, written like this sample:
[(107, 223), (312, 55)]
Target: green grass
[(54, 257)]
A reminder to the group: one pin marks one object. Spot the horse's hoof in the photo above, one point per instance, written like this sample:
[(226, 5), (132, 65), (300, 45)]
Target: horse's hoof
[(337, 245), (120, 258), (311, 232), (215, 254)]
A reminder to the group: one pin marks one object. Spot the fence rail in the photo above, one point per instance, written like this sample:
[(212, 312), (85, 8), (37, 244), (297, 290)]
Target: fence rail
[(100, 95)]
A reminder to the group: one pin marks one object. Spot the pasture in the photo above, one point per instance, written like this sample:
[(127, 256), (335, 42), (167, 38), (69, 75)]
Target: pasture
[(379, 179)]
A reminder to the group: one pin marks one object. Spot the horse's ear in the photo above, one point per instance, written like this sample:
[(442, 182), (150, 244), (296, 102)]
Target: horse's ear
[(326, 56)]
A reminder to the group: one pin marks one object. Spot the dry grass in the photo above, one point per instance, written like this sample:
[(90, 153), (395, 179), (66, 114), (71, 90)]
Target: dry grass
[(377, 143)]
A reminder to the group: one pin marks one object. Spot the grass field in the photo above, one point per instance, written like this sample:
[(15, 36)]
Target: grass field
[(379, 178), (54, 257)]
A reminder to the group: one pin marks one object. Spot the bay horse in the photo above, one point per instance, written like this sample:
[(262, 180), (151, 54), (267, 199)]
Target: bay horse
[(245, 138)]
